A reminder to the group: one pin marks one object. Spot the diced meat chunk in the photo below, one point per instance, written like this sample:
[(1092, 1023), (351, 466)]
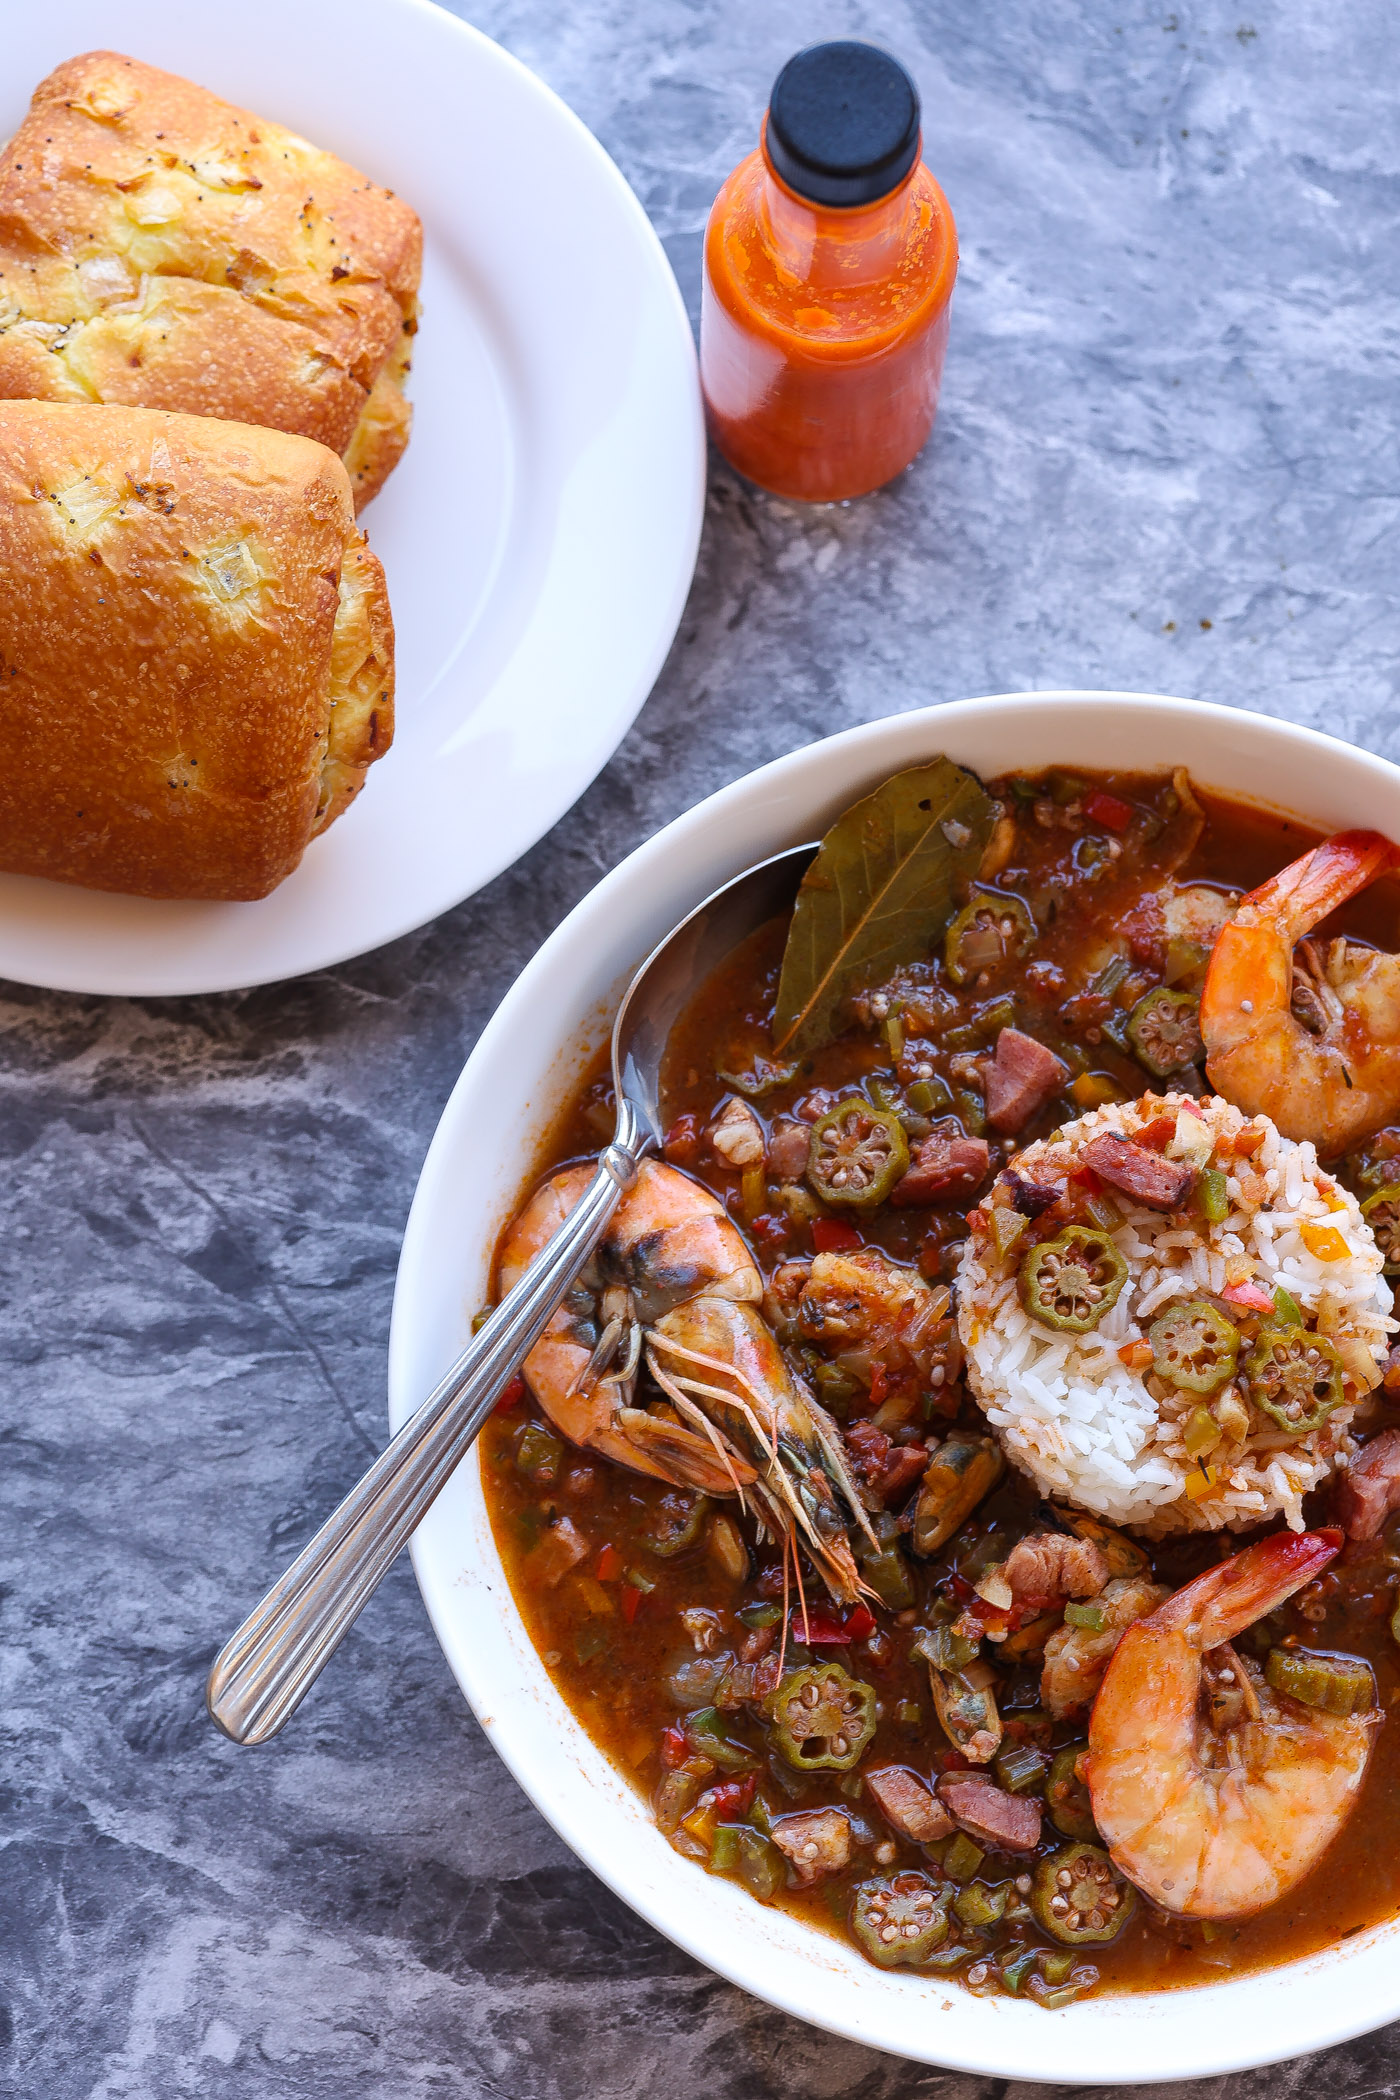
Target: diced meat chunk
[(788, 1148), (1043, 1569), (889, 1471), (1010, 1822), (908, 1806), (560, 1548), (1159, 1184), (1020, 1079), (941, 1168), (817, 1841), (1370, 1491)]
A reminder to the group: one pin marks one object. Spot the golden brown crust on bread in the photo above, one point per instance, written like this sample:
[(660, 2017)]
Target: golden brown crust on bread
[(196, 654), (162, 248)]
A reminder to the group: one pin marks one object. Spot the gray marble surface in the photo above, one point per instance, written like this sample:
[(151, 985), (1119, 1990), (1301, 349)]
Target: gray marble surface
[(1167, 460)]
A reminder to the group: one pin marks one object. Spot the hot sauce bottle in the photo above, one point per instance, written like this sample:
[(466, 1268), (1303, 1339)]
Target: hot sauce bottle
[(830, 257)]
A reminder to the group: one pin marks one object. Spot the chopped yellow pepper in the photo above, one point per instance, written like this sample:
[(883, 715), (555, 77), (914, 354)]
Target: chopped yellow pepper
[(1094, 1090), (1324, 1241), (1201, 1481)]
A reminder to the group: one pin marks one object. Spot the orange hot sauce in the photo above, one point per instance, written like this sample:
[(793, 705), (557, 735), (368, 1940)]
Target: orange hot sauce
[(830, 257)]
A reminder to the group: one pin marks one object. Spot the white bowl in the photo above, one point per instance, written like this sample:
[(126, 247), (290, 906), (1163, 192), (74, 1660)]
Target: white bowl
[(518, 1075)]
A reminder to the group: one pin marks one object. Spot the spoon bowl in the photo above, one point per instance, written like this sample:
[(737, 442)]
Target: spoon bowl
[(262, 1674)]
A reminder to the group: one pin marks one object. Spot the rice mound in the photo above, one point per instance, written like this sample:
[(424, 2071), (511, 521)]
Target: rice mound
[(1066, 1408)]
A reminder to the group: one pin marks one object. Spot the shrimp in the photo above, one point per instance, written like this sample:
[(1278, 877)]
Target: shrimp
[(673, 1292), (1214, 1793), (1316, 1048)]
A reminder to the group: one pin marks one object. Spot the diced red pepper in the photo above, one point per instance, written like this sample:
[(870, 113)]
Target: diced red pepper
[(1248, 1295), (1087, 1179), (835, 1236), (962, 1589), (511, 1396), (1159, 1132), (733, 1798), (674, 1747), (879, 1382), (609, 1564), (954, 1761), (771, 1229), (819, 1627), (631, 1599), (1106, 809)]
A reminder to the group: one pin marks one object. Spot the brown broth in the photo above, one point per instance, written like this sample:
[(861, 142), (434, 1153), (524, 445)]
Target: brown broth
[(611, 1669)]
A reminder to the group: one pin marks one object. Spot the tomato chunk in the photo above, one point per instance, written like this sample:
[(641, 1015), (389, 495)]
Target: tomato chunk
[(1103, 808), (674, 1747), (1249, 1295), (835, 1236), (511, 1396), (609, 1564)]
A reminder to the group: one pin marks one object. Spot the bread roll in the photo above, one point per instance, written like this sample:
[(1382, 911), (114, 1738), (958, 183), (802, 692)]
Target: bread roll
[(196, 652), (159, 247)]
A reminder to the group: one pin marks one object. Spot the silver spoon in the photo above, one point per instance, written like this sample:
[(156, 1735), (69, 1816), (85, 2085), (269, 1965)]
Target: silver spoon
[(262, 1674)]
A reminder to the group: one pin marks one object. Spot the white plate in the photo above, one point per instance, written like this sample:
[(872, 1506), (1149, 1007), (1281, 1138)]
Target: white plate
[(500, 1110), (540, 535)]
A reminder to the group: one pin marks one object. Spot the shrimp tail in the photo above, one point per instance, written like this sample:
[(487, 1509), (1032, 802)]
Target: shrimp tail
[(1305, 891), (1225, 1600)]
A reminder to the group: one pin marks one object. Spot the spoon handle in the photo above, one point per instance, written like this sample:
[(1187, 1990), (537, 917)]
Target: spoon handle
[(261, 1675)]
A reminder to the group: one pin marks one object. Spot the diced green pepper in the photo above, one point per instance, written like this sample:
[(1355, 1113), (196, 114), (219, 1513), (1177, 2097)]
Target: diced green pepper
[(705, 1733), (888, 1575), (1015, 1968), (539, 1454), (1102, 1213), (1287, 1307), (1089, 1616), (1336, 1684), (750, 1857), (1211, 1196), (943, 1648), (963, 1859), (929, 1097), (979, 1906), (1019, 1767), (756, 1616), (971, 1111), (1067, 1797), (590, 1641)]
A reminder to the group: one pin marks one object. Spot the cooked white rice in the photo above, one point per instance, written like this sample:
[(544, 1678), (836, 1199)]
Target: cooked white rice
[(1091, 1431)]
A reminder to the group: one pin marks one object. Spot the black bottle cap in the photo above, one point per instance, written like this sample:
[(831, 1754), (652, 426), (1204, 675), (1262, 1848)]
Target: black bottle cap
[(843, 124)]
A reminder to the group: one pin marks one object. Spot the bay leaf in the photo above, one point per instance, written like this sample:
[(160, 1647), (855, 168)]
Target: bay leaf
[(885, 883)]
